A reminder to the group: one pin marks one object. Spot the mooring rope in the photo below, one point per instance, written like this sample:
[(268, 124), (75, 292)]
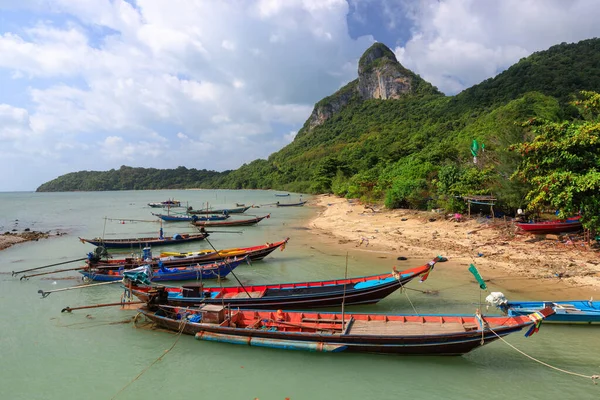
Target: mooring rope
[(181, 328), (594, 378), (399, 278)]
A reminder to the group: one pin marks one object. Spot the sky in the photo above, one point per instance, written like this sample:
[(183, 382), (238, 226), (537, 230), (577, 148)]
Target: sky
[(97, 84)]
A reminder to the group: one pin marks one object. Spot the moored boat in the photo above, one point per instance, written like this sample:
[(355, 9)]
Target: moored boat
[(171, 259), (231, 222), (298, 204), (565, 225), (301, 295), (146, 241), (235, 210), (190, 218), (161, 274), (165, 204), (565, 311), (352, 332)]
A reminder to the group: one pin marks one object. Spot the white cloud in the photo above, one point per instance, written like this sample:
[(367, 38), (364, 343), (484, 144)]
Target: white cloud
[(99, 83), (459, 43)]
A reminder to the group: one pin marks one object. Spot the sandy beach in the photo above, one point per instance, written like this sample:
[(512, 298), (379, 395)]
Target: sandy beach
[(558, 266)]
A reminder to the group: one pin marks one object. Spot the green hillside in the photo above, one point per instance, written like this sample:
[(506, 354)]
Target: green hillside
[(412, 150)]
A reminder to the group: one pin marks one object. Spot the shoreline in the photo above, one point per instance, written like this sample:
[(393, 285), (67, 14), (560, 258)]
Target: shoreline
[(542, 266)]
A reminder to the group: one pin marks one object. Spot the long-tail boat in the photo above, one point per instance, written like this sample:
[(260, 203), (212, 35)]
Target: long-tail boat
[(565, 311), (563, 225), (235, 210), (146, 241), (362, 290), (160, 274), (335, 332), (231, 222), (172, 259), (165, 204), (298, 204), (190, 218)]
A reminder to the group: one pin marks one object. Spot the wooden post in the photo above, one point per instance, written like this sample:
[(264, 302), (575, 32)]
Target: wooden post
[(469, 202)]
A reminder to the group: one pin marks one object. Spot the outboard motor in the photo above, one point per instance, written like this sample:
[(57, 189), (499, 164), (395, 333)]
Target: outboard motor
[(497, 299)]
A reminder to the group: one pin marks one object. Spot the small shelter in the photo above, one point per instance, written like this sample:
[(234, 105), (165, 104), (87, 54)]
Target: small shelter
[(486, 200)]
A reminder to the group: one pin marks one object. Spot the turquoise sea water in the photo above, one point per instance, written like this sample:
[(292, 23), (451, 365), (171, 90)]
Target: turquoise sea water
[(91, 354)]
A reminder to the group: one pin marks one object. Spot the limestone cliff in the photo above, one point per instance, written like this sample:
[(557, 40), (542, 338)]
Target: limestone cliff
[(380, 76)]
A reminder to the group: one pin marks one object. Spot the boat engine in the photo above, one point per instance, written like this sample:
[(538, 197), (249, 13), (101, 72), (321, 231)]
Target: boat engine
[(497, 299)]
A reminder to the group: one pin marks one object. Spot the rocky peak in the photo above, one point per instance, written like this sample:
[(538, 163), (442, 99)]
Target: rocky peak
[(380, 76)]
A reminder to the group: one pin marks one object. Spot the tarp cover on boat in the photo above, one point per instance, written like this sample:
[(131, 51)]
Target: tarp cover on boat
[(141, 274)]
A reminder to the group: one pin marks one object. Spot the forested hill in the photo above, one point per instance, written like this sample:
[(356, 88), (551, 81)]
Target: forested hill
[(391, 135), (128, 178)]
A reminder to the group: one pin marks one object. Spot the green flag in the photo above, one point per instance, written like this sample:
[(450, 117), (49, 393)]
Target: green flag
[(474, 148), (480, 280)]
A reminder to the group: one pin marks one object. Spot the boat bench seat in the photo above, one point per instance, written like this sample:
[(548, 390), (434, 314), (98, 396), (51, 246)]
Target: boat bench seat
[(243, 295)]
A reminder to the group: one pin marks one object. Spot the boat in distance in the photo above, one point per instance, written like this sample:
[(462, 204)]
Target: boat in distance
[(235, 210), (298, 204), (165, 204), (231, 222), (436, 334), (565, 225), (302, 295), (146, 241), (172, 259), (191, 218)]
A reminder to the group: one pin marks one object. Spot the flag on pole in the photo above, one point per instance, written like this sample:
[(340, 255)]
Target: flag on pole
[(478, 277)]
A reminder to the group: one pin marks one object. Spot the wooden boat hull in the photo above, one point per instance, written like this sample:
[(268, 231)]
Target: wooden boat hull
[(237, 210), (144, 242), (239, 222), (299, 204), (353, 332), (565, 312), (185, 218), (569, 225), (298, 296), (253, 253), (185, 274)]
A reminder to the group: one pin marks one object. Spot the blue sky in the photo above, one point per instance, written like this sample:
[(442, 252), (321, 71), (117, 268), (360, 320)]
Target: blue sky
[(96, 84)]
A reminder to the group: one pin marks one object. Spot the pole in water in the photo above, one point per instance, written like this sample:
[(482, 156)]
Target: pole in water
[(48, 266)]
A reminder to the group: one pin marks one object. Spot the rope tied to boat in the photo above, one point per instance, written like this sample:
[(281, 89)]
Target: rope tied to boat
[(182, 324), (594, 378), (397, 275)]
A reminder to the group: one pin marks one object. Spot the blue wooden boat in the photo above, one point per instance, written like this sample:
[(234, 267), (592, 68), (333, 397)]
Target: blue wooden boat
[(281, 195), (565, 312), (190, 218), (299, 204), (161, 274), (297, 296)]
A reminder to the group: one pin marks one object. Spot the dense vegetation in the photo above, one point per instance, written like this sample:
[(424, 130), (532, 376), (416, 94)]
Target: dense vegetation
[(410, 152), (562, 163)]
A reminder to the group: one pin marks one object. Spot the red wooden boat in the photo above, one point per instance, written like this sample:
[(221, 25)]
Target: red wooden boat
[(334, 332), (172, 259), (362, 290), (557, 226)]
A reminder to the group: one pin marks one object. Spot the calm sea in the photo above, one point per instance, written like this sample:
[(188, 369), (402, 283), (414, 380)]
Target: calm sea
[(95, 353)]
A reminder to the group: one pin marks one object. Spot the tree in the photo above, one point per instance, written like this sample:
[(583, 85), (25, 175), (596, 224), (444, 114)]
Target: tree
[(562, 163)]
